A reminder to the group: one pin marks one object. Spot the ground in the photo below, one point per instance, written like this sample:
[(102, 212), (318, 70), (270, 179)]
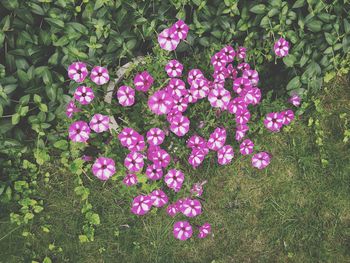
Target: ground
[(296, 210)]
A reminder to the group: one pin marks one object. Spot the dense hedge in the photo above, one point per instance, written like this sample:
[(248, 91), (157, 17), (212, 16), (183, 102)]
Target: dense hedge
[(38, 39)]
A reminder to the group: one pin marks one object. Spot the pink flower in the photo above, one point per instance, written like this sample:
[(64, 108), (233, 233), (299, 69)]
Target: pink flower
[(199, 88), (168, 39), (79, 131), (71, 109), (229, 52), (246, 147), (197, 157), (154, 172), (160, 158), (172, 210), (181, 29), (237, 106), (220, 74), (273, 121), (134, 162), (182, 230), (287, 117), (130, 179), (239, 84), (232, 72), (160, 102), (191, 208), (194, 74), (225, 155), (196, 142), (174, 68), (77, 71), (141, 204), (176, 87), (180, 125), (84, 95), (218, 60), (128, 137), (174, 179), (172, 114), (99, 75), (155, 136), (180, 101), (241, 131), (159, 198), (252, 76), (143, 81), (139, 145), (99, 123), (126, 96), (281, 47), (197, 188), (219, 98), (251, 95), (204, 230), (295, 100), (261, 160), (103, 168), (241, 53), (243, 117), (243, 66), (217, 139)]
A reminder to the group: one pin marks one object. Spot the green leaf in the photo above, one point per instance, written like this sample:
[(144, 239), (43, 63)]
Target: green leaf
[(55, 22), (330, 38), (346, 44), (204, 41), (61, 144), (346, 26), (294, 83), (10, 4), (289, 60), (37, 98), (258, 9), (83, 238), (47, 260), (99, 4), (314, 25), (15, 118), (298, 4)]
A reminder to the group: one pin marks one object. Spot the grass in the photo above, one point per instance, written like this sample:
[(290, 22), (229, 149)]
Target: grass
[(296, 210)]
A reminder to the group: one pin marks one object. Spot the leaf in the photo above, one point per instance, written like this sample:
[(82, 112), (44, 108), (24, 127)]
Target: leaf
[(346, 26), (314, 25), (346, 44), (83, 238), (294, 83), (289, 60), (258, 9), (47, 260), (330, 38), (55, 22), (298, 4), (61, 144), (15, 118), (204, 41)]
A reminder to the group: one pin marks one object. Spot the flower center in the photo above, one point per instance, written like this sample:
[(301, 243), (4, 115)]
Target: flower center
[(99, 74), (219, 97), (83, 94), (104, 166), (79, 71)]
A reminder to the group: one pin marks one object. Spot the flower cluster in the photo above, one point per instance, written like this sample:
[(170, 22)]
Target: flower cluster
[(170, 37), (146, 152)]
